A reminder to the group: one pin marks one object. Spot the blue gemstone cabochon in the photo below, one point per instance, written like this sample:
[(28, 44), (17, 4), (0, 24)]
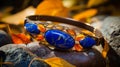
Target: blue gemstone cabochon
[(59, 39), (32, 28), (87, 42)]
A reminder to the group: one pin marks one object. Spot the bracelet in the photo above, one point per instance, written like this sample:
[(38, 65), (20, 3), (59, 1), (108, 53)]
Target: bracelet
[(62, 33)]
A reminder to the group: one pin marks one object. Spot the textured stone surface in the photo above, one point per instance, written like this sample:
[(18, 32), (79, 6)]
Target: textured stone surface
[(111, 31), (40, 50), (110, 28), (20, 56)]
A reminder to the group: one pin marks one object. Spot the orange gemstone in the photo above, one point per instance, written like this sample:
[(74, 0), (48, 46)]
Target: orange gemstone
[(71, 32), (41, 28), (79, 37), (40, 37), (77, 47)]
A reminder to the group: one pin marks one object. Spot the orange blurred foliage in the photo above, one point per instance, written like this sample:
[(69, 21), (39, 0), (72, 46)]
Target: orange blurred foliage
[(52, 8), (20, 38), (85, 14), (58, 62)]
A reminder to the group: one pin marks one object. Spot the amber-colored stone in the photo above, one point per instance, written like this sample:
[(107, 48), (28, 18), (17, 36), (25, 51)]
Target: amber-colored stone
[(40, 37), (77, 47), (41, 28), (79, 37), (71, 32)]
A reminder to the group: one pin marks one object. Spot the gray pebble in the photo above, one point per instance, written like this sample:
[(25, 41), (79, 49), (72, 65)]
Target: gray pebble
[(20, 56)]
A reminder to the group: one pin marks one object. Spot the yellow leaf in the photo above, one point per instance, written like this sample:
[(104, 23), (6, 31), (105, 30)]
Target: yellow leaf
[(52, 7), (95, 2), (58, 62), (85, 14)]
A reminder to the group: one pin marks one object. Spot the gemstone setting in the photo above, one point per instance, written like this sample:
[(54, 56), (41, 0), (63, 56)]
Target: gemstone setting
[(59, 39), (87, 42)]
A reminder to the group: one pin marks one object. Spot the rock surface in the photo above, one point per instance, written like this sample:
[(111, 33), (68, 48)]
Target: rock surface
[(20, 56), (4, 38), (88, 58), (40, 50), (110, 28), (111, 31)]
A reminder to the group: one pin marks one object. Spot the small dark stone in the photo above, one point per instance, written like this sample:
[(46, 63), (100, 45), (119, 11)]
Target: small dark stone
[(2, 56), (4, 38)]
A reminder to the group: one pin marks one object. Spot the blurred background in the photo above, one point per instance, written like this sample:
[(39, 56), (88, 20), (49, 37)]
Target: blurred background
[(104, 6), (89, 11), (81, 10)]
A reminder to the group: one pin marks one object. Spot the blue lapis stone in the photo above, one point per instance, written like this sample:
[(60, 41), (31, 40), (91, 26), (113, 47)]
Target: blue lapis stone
[(59, 39), (32, 28), (87, 42)]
